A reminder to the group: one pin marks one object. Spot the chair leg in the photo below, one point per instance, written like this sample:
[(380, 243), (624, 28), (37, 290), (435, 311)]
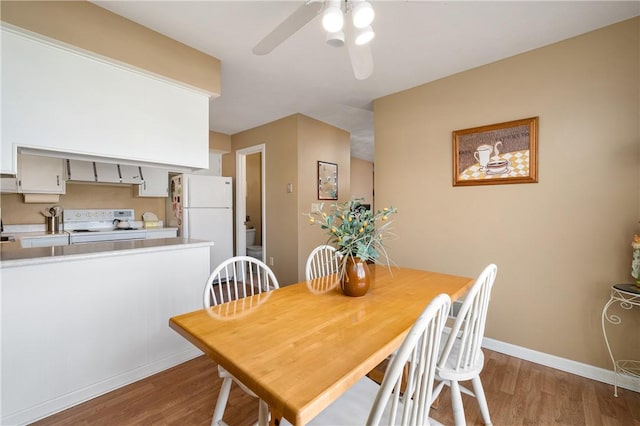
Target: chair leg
[(221, 403), (435, 395), (263, 413), (482, 400), (456, 404)]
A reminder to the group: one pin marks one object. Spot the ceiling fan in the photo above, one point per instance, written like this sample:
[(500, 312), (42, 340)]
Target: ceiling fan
[(345, 22)]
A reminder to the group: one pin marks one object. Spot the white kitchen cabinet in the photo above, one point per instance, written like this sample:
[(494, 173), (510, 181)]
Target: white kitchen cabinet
[(40, 175), (8, 185), (87, 105), (80, 171), (107, 172), (130, 174), (155, 184)]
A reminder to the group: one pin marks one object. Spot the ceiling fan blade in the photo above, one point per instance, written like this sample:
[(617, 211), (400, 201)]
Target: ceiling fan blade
[(361, 58), (288, 27)]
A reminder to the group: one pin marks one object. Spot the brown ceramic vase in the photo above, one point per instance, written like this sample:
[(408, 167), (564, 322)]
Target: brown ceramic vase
[(356, 278)]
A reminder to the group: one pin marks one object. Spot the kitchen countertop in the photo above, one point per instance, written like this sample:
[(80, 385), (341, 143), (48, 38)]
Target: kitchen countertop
[(13, 255), (33, 231)]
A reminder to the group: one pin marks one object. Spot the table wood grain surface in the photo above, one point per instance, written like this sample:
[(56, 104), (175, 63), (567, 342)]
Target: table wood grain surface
[(301, 346)]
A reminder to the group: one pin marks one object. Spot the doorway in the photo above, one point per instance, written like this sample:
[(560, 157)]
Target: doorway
[(250, 201)]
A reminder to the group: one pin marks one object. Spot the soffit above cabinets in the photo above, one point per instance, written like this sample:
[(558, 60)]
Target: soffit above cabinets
[(88, 108)]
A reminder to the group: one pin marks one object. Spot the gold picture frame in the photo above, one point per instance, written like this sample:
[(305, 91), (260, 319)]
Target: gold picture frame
[(496, 154), (327, 181)]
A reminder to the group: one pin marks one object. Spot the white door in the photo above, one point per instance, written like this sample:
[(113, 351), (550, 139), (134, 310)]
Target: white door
[(211, 225), (241, 202)]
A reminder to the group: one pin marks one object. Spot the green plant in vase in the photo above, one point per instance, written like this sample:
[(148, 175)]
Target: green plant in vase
[(357, 233)]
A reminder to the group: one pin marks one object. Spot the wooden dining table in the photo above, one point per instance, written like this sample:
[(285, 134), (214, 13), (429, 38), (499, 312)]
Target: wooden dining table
[(301, 346)]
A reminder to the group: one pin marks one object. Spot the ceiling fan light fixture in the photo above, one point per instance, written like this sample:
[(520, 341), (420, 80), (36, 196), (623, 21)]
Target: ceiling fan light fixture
[(363, 14), (335, 39), (333, 19), (364, 35)]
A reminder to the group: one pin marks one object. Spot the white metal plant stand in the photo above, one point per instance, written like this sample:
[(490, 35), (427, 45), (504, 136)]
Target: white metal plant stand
[(628, 296)]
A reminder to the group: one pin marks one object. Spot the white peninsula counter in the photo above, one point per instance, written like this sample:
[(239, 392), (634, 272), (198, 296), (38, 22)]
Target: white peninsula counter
[(81, 320)]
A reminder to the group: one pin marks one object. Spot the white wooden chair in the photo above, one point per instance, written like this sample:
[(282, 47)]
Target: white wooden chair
[(323, 260), (233, 279), (461, 358), (395, 402)]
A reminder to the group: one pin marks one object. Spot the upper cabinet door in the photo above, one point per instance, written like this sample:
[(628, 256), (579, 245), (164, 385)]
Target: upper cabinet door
[(107, 172), (155, 184), (86, 105), (130, 174), (82, 171), (40, 175)]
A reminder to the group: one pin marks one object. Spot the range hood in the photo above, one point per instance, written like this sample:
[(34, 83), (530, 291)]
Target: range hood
[(99, 172), (104, 160)]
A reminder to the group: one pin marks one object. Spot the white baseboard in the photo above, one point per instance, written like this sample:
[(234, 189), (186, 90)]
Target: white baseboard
[(563, 364), (53, 406)]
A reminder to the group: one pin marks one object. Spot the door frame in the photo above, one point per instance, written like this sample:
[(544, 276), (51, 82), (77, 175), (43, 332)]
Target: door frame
[(241, 198)]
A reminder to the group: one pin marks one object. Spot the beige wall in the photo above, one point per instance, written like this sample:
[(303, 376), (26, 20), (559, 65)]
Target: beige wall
[(293, 146), (219, 142), (81, 196), (83, 24), (318, 141), (362, 180), (559, 244), (280, 140)]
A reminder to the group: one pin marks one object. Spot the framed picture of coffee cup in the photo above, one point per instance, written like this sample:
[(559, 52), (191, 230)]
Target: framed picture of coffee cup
[(327, 181), (496, 154)]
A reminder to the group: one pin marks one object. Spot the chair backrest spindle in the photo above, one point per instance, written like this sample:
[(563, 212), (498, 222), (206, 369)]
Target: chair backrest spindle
[(471, 320), (237, 278), (322, 261)]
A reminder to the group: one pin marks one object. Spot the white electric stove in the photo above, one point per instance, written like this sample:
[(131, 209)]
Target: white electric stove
[(99, 225)]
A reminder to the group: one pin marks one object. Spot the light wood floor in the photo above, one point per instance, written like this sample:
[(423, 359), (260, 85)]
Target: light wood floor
[(518, 393)]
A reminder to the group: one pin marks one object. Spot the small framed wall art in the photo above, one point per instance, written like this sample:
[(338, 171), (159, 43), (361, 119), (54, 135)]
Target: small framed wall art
[(496, 154), (327, 181)]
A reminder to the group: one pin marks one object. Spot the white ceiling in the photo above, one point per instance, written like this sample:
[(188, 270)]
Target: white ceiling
[(416, 42)]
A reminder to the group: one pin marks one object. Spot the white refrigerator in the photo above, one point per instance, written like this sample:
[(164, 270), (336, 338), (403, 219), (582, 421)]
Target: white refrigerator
[(202, 209)]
